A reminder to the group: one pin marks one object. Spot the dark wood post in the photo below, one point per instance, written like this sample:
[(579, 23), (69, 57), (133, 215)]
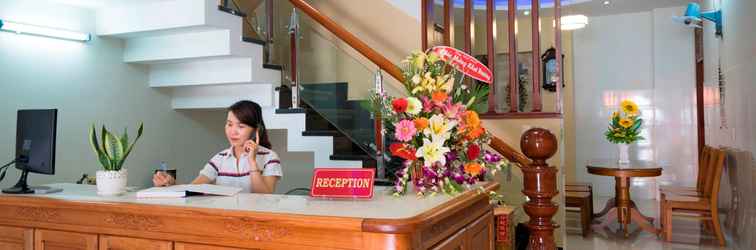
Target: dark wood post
[(539, 144)]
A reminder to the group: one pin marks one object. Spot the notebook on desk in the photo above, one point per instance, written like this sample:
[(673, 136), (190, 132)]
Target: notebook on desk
[(187, 190)]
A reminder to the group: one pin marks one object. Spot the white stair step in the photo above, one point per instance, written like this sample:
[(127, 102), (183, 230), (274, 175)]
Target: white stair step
[(322, 146), (221, 96), (214, 71), (149, 18), (188, 47)]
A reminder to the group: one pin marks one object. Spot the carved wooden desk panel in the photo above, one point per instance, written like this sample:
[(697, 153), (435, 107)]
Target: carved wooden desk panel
[(195, 223)]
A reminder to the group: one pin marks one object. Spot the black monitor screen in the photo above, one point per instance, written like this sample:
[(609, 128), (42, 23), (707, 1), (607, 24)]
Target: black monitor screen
[(35, 140)]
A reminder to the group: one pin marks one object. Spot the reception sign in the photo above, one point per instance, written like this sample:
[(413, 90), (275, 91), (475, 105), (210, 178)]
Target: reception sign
[(463, 62), (343, 183)]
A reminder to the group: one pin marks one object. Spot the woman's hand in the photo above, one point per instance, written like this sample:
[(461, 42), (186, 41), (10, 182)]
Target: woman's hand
[(250, 147), (161, 179)]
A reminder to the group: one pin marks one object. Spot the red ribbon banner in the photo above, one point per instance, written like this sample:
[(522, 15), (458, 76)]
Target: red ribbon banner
[(464, 62)]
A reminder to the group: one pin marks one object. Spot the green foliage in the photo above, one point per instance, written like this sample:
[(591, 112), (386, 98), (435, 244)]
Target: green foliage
[(616, 133), (112, 150)]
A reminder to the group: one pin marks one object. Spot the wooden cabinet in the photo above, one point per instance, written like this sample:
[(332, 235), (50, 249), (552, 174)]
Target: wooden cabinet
[(59, 240), (475, 236), (455, 242), (109, 242), (190, 246), (479, 234), (16, 238)]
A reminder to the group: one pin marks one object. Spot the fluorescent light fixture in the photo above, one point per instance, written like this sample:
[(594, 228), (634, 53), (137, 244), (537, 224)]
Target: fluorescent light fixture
[(606, 2), (22, 28), (574, 22)]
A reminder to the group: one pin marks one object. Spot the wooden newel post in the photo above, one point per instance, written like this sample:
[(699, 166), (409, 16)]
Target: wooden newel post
[(540, 180)]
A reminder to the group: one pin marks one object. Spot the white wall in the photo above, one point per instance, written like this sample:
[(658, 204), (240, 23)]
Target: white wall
[(89, 83), (645, 57), (410, 7)]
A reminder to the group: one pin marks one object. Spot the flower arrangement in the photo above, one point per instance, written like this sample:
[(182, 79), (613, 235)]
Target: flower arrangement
[(624, 125), (437, 132)]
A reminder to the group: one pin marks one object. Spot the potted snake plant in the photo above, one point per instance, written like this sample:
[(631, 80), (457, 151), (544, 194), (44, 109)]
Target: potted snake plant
[(111, 151)]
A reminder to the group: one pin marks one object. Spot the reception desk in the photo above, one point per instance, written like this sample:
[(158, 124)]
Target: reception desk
[(79, 219)]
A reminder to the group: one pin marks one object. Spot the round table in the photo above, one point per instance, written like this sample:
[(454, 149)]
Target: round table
[(621, 206)]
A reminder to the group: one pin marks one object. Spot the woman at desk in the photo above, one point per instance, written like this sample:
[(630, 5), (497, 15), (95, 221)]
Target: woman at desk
[(248, 163)]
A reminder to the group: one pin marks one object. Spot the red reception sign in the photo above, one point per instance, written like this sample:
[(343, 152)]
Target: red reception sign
[(463, 62), (343, 183)]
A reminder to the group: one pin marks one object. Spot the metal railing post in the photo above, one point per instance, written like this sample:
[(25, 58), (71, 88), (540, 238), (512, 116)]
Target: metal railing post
[(294, 44), (379, 145)]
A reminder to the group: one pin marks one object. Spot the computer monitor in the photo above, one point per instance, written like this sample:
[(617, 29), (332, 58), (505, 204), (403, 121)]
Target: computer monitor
[(35, 145)]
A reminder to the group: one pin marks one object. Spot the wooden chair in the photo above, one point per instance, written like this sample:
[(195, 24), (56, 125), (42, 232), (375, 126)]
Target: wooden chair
[(580, 195), (703, 207), (703, 160)]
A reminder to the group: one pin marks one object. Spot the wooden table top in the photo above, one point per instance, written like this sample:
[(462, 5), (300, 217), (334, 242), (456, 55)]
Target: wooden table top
[(610, 167)]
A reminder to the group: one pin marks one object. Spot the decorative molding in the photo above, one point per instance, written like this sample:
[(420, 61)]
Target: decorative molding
[(37, 213), (134, 222), (252, 230)]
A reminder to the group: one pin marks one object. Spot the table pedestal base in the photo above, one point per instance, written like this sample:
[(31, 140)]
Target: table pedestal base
[(624, 212)]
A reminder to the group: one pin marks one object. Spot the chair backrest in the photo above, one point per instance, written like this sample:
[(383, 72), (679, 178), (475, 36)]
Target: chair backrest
[(703, 164), (717, 165), (709, 171)]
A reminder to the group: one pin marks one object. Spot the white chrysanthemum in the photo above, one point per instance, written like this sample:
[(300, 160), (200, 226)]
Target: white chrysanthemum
[(416, 79), (414, 106)]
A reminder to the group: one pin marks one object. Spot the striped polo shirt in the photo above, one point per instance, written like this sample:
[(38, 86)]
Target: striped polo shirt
[(223, 170)]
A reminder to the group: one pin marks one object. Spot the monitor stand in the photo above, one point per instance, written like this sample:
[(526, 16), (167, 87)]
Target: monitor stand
[(21, 187)]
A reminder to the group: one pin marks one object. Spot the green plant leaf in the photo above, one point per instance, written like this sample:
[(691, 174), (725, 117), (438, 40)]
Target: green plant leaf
[(128, 150), (101, 156), (115, 149), (125, 138), (637, 125)]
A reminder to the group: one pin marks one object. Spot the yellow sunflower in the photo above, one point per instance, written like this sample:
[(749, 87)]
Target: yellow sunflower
[(629, 107), (625, 123)]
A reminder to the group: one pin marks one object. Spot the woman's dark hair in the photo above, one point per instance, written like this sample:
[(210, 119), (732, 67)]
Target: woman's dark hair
[(250, 114)]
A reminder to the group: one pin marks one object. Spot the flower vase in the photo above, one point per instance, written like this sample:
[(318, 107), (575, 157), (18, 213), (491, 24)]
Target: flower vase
[(624, 156)]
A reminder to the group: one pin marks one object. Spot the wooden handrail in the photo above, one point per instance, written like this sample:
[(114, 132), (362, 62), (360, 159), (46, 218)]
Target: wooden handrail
[(509, 152), (354, 42)]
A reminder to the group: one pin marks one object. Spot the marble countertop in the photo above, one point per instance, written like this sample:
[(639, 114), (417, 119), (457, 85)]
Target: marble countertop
[(382, 206)]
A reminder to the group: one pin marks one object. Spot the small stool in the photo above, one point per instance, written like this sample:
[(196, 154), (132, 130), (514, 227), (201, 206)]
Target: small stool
[(580, 195), (581, 187), (583, 201)]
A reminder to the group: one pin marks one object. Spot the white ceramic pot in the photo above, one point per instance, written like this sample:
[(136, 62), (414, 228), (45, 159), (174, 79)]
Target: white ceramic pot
[(111, 183), (624, 156)]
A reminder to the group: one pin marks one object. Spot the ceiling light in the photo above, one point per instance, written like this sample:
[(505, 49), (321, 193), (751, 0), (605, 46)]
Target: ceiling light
[(606, 2), (22, 28), (574, 22)]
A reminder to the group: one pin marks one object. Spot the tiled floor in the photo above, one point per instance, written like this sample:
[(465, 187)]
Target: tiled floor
[(687, 233)]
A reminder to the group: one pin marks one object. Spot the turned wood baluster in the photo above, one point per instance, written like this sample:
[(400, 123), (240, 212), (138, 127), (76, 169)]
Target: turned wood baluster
[(539, 144)]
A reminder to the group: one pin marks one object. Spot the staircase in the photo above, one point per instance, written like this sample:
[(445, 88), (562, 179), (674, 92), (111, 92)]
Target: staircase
[(195, 50), (330, 113)]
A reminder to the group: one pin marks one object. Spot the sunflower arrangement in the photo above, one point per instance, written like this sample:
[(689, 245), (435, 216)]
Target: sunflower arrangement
[(624, 125), (435, 130)]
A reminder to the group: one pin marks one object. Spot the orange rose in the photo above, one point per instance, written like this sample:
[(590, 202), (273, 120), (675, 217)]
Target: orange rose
[(439, 96), (472, 119), (473, 168), (474, 133), (421, 123)]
